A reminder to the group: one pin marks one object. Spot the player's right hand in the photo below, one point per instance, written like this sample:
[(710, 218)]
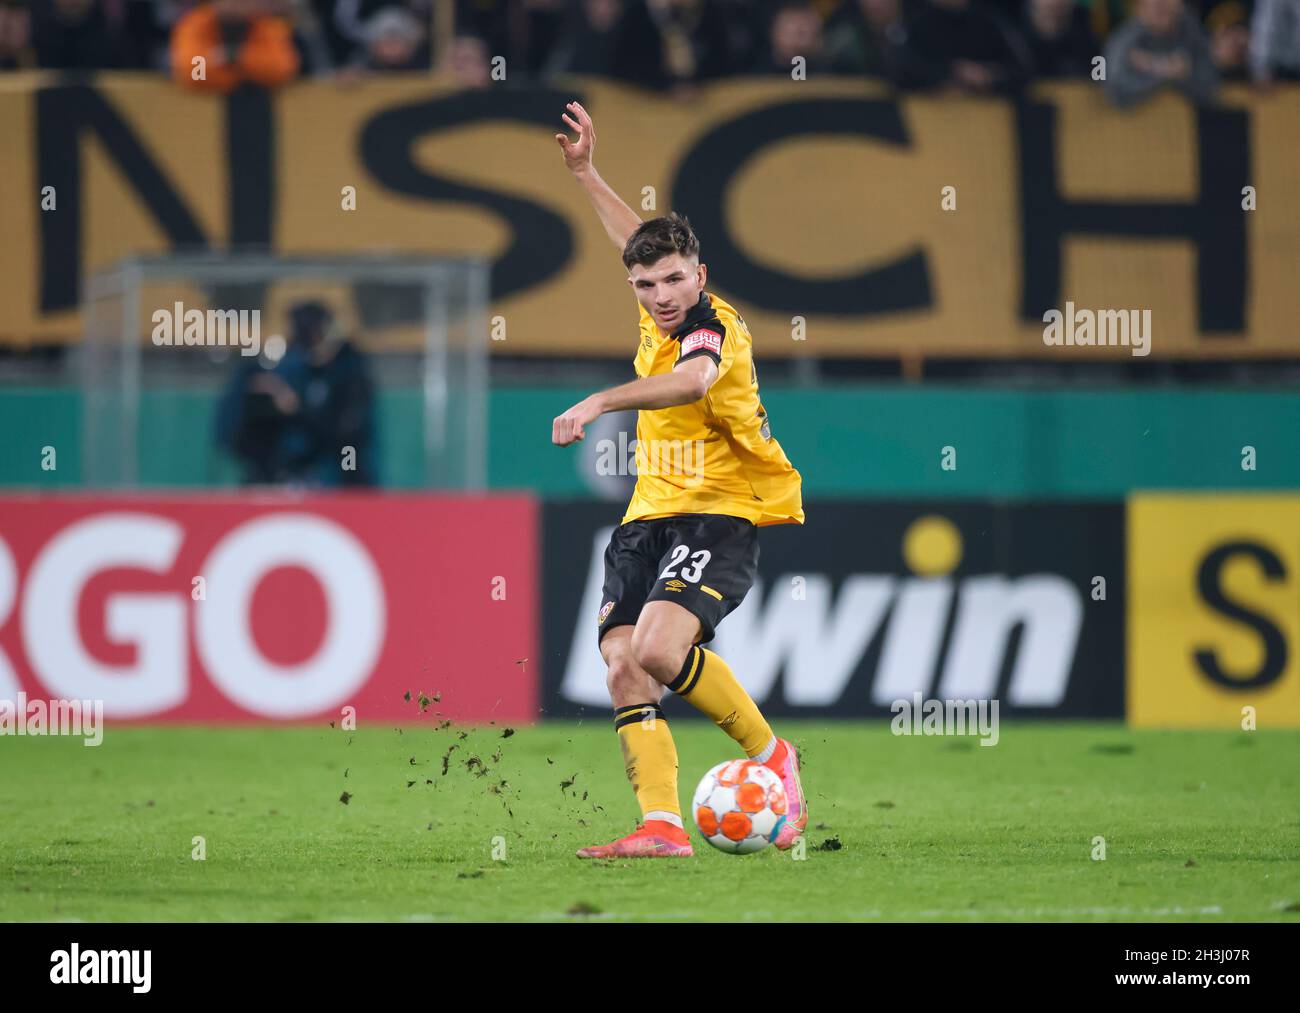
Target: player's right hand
[(577, 154), (570, 427)]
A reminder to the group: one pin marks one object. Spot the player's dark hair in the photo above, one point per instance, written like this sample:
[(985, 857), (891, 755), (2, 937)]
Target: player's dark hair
[(659, 238)]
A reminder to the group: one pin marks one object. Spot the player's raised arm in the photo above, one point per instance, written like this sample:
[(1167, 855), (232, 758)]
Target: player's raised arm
[(620, 221)]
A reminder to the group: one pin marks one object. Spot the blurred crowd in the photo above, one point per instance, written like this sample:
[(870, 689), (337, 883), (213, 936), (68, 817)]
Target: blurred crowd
[(669, 45)]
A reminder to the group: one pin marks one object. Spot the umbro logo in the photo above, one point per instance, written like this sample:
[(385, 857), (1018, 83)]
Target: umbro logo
[(675, 585)]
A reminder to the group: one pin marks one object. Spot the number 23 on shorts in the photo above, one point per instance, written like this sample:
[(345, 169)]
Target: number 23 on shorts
[(692, 573)]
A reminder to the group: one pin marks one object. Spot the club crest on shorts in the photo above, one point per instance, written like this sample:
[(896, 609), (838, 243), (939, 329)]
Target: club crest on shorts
[(605, 610)]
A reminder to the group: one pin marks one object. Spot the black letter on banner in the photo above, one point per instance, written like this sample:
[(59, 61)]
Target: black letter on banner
[(250, 154), (1208, 582), (1213, 221), (705, 174), (542, 243), (62, 113)]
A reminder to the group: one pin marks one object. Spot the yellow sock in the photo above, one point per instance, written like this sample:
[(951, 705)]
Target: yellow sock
[(707, 682), (650, 758)]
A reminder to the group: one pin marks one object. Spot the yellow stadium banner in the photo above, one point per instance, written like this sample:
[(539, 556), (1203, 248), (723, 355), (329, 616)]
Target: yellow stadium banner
[(1213, 611), (842, 219)]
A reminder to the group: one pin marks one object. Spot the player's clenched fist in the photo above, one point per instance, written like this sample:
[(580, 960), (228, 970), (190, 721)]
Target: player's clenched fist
[(570, 427)]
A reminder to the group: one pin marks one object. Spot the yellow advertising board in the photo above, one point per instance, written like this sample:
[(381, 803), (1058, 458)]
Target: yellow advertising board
[(1213, 611), (841, 218)]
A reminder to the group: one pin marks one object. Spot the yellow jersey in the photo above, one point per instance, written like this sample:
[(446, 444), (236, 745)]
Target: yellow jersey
[(716, 455)]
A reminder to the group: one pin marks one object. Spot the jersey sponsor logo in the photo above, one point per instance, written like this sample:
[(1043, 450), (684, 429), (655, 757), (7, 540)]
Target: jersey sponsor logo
[(605, 610), (702, 338)]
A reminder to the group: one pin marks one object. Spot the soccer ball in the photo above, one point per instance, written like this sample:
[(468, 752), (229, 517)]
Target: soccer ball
[(740, 806)]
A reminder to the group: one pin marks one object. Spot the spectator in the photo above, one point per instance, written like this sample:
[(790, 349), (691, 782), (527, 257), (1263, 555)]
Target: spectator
[(1105, 15), (1061, 43), (468, 62), (659, 44), (395, 41), (345, 22), (83, 35), (673, 44), (1275, 41), (868, 39), (1162, 46), (494, 22), (795, 33), (150, 23), (221, 45), (295, 422), (16, 52), (249, 425), (1229, 26), (311, 38), (537, 26), (587, 46), (959, 44)]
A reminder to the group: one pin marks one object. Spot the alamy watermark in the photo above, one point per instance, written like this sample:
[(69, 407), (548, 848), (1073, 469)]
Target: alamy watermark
[(83, 718), (1123, 328), (946, 717), (240, 329), (75, 966), (676, 458)]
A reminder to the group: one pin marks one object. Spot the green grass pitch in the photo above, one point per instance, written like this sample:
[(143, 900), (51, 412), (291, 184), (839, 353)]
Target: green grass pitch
[(1197, 826)]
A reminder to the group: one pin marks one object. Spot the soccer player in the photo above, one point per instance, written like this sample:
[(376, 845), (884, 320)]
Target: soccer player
[(709, 474)]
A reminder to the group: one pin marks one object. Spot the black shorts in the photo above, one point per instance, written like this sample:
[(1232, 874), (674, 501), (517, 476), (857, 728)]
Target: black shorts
[(704, 562)]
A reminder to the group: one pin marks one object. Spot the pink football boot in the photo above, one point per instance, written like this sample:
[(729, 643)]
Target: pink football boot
[(796, 817), (655, 839)]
